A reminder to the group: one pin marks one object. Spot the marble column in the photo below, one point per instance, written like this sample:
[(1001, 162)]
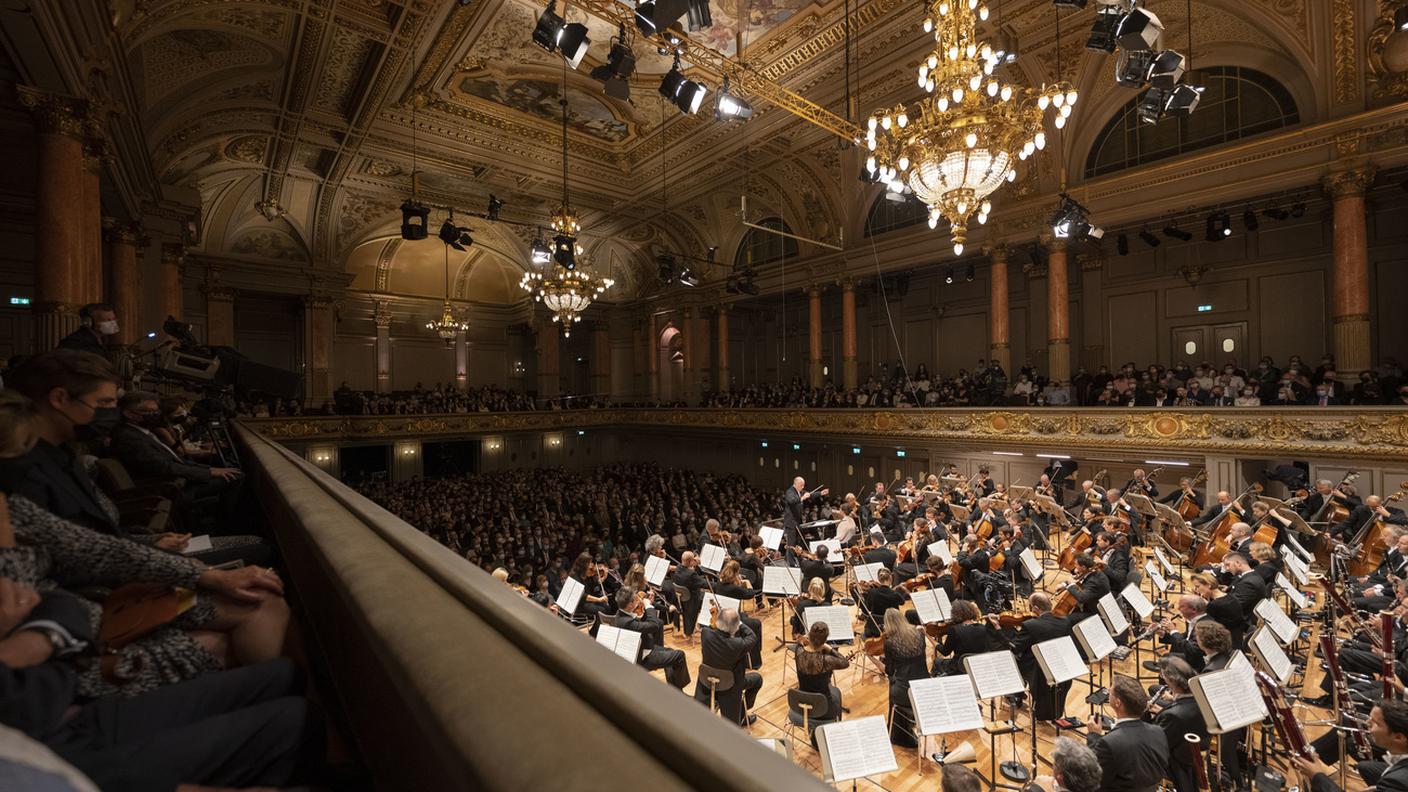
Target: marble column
[(1351, 268), (691, 363), (124, 279), (547, 339), (814, 336), (721, 356), (462, 360), (652, 358), (999, 315), (320, 327), (382, 317), (848, 333), (91, 212), (1058, 311), (172, 266), (600, 360), (219, 314), (58, 216)]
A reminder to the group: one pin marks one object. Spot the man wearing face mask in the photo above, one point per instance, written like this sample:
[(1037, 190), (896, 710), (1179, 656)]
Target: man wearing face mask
[(98, 322)]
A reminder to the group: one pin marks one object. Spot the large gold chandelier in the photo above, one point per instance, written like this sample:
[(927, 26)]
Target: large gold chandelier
[(963, 140)]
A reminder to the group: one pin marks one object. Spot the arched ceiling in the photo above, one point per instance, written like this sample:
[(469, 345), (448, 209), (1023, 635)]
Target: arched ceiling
[(313, 107)]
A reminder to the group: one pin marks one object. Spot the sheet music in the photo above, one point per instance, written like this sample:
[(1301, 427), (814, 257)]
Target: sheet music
[(782, 580), (777, 745), (625, 643), (994, 674), (1228, 699), (1296, 546), (1273, 658), (940, 549), (1298, 568), (1060, 660), (571, 595), (712, 557), (1030, 565), (944, 705), (772, 537), (1094, 638), (1163, 562), (1285, 630), (837, 618), (833, 550), (707, 598), (866, 573), (197, 544), (656, 568), (1153, 572), (1109, 608), (1296, 595), (931, 605), (855, 748), (1239, 662), (1137, 600)]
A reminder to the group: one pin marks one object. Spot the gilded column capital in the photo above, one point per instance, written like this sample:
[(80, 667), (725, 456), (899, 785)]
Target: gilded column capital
[(1349, 182), (123, 232), (64, 115), (381, 314), (998, 254), (814, 290), (218, 292), (1034, 269), (847, 284), (173, 253)]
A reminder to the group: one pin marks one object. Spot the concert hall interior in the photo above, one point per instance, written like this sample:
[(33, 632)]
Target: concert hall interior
[(671, 394)]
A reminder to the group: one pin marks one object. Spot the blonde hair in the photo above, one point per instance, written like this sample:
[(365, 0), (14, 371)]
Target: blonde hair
[(18, 433), (1261, 551), (817, 589), (901, 634)]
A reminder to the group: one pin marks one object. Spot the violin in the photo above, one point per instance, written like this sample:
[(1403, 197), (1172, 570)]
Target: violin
[(922, 580), (1010, 619)]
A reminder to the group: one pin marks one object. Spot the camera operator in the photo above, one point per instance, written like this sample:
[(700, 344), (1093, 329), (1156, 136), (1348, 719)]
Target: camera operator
[(98, 321)]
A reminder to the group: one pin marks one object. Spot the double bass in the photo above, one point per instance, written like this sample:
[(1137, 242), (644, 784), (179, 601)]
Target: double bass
[(1371, 539)]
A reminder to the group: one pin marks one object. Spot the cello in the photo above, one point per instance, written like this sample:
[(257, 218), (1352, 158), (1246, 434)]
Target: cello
[(1212, 549), (1371, 539), (1186, 506)]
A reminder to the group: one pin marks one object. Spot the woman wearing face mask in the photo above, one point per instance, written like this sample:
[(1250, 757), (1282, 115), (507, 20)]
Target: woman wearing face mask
[(1247, 398), (98, 322)]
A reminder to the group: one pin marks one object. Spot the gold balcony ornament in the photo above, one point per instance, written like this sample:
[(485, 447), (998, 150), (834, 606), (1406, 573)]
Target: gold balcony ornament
[(963, 139), (447, 326), (567, 293)]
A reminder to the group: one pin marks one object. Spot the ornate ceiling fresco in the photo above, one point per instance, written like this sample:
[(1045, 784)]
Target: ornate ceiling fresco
[(312, 107)]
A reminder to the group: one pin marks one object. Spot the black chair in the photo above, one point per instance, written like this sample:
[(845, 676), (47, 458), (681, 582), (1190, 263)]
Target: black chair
[(807, 711)]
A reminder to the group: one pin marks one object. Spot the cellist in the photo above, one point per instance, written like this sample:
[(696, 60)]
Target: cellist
[(913, 551), (985, 514)]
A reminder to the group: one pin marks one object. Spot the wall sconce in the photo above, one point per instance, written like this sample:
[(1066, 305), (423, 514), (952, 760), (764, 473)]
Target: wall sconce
[(493, 444)]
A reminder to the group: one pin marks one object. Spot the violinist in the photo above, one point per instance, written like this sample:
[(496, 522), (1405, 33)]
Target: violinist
[(931, 484), (974, 560), (753, 560), (731, 584), (1043, 486), (1268, 564), (904, 663), (877, 553), (878, 597), (886, 512), (968, 633), (816, 567), (938, 517), (713, 534), (631, 615), (985, 486), (1112, 548), (879, 493), (1090, 584), (1048, 703), (914, 551), (635, 578), (689, 579), (816, 595), (816, 660), (592, 577)]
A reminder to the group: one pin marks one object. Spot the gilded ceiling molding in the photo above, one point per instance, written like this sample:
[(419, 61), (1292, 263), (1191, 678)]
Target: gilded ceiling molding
[(1367, 434), (1386, 84), (1346, 51)]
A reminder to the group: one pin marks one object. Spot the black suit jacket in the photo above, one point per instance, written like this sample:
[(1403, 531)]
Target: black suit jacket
[(962, 640), (877, 600), (1095, 586), (792, 514), (1227, 611), (729, 652), (83, 340), (652, 630), (146, 457), (1117, 568), (1031, 632), (881, 555), (1249, 589), (1184, 646), (1181, 718), (1209, 514), (57, 482), (817, 569), (1394, 779), (1362, 515), (1133, 757)]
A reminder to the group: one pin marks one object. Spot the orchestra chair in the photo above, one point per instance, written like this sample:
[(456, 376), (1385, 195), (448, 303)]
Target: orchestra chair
[(145, 507), (789, 658), (807, 711), (721, 679)]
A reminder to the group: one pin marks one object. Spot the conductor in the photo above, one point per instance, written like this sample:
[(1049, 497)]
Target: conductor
[(792, 501)]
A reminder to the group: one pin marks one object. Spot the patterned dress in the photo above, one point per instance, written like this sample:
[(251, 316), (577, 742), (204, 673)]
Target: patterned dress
[(57, 554)]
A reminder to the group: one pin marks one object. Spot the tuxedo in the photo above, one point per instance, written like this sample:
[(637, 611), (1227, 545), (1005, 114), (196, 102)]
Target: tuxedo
[(718, 649), (1178, 719), (1183, 644), (1048, 702), (1394, 779), (1095, 585), (691, 580), (881, 555), (1361, 516), (1209, 514), (654, 655), (1133, 756), (792, 516), (1117, 567), (1248, 590), (1227, 611)]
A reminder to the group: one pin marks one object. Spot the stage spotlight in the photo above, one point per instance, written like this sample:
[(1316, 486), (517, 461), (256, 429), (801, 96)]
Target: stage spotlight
[(1122, 244), (728, 107), (1102, 32), (948, 275), (1219, 226), (1249, 218), (969, 274), (1132, 68), (565, 251), (1149, 238), (1172, 231), (414, 217), (620, 65), (1151, 107), (572, 41), (455, 236), (1071, 220), (542, 254), (712, 252), (655, 16), (1004, 47), (1167, 70), (698, 15), (1183, 100), (684, 93), (688, 278), (1276, 213), (1139, 30), (549, 28)]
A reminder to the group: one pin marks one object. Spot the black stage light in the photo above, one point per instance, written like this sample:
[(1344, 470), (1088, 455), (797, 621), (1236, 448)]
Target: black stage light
[(645, 18), (549, 27), (727, 106), (1102, 32), (414, 217), (1167, 70), (1149, 238), (690, 96), (542, 254), (1219, 226), (1400, 18), (572, 41), (688, 278), (1183, 100), (1151, 107), (494, 206), (454, 236), (712, 252), (698, 15), (1249, 219), (948, 275), (565, 251), (670, 83), (1139, 30), (1133, 66), (655, 16), (1122, 244), (1004, 47), (1172, 231), (614, 74), (1276, 213), (969, 274)]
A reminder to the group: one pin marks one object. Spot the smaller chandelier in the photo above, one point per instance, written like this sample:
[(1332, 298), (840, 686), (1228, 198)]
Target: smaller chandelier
[(447, 326), (566, 293)]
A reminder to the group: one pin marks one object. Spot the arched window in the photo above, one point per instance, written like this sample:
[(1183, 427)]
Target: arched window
[(1238, 103), (887, 215), (760, 247)]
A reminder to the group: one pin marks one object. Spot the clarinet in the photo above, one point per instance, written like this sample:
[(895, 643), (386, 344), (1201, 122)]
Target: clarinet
[(1200, 768), (1332, 659)]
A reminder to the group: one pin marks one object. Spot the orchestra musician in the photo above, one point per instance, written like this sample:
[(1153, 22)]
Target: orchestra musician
[(1117, 506), (731, 584), (879, 493), (986, 512), (1268, 564), (1179, 719), (847, 528), (713, 534), (938, 517), (1089, 493), (816, 592), (1388, 729), (1185, 490), (1133, 754), (817, 567), (1358, 656), (1043, 486), (1217, 645), (1090, 584), (904, 663), (1048, 702), (1142, 484), (1112, 548), (984, 486), (727, 646), (968, 633), (915, 549), (1221, 607), (1374, 592), (1371, 509), (877, 598), (590, 575), (886, 512), (753, 560), (1247, 587), (877, 552), (816, 660), (1325, 490), (973, 560), (1262, 513), (1182, 645), (689, 579), (1213, 512), (631, 615)]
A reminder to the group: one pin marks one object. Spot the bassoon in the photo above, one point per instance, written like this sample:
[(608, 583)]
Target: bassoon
[(1386, 625), (1346, 705)]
